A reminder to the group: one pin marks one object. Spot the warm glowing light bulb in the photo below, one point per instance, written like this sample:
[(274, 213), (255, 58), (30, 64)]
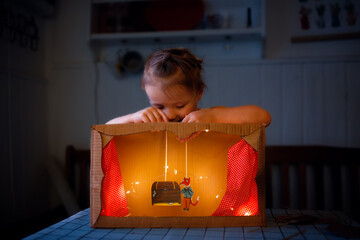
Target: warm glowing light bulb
[(247, 214), (137, 182), (200, 177), (231, 209), (207, 130), (175, 171), (128, 192), (217, 196)]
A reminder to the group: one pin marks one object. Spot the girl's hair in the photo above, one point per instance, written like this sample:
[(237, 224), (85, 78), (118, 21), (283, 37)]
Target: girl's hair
[(173, 66)]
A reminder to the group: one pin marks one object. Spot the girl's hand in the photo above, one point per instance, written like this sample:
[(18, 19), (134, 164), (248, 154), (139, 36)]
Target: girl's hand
[(188, 138), (150, 114), (202, 115)]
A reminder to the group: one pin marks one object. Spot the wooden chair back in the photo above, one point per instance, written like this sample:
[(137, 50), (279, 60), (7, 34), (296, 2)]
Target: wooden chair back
[(319, 177)]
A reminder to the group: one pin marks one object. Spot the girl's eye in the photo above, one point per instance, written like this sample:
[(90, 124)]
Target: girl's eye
[(159, 107), (180, 106)]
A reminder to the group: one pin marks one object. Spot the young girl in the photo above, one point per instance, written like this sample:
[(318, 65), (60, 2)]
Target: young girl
[(173, 82)]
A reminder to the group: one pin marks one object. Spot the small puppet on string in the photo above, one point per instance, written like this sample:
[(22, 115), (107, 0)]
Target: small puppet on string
[(187, 192)]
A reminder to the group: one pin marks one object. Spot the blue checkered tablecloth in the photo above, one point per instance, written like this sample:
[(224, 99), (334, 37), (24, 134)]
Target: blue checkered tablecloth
[(78, 227)]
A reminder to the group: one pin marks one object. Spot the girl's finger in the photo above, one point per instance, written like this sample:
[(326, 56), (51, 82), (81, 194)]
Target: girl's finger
[(186, 119), (157, 116), (145, 118), (162, 116), (153, 116)]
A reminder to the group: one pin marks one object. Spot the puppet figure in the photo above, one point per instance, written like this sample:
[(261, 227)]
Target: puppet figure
[(188, 192)]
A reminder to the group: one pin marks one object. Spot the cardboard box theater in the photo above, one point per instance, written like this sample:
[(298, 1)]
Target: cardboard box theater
[(177, 175)]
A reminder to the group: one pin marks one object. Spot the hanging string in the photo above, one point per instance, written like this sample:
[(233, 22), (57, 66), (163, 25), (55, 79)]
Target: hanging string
[(166, 147), (186, 159)]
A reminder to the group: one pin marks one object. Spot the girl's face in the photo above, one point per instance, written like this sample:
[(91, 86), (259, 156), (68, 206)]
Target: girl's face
[(176, 102)]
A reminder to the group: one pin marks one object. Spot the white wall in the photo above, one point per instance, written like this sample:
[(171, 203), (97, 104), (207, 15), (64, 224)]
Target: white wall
[(298, 93), (312, 102)]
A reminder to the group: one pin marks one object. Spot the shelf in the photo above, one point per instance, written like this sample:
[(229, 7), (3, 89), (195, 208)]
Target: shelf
[(237, 13), (192, 35)]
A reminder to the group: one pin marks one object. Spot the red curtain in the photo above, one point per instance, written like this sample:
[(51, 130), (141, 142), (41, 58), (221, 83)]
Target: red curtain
[(241, 196), (113, 193)]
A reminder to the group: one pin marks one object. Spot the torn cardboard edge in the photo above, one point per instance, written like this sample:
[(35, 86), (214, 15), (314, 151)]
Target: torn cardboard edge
[(254, 134), (181, 130)]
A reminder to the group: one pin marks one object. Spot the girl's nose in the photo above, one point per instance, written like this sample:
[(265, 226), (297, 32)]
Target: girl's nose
[(171, 114)]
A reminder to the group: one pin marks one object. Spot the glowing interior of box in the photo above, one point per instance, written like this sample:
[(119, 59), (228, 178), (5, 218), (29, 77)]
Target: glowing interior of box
[(221, 167)]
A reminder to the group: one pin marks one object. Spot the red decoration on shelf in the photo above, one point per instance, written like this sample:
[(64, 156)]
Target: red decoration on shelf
[(174, 15)]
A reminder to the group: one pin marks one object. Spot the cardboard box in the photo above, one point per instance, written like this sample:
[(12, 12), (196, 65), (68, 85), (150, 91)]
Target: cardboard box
[(139, 170)]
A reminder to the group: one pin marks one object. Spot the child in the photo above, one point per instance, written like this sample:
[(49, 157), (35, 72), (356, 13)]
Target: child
[(173, 82)]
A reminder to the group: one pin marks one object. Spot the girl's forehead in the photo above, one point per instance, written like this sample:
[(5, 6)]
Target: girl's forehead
[(175, 93), (176, 88)]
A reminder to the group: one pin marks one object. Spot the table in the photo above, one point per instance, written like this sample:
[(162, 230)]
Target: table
[(77, 226)]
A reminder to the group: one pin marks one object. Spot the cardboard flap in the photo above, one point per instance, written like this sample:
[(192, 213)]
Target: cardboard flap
[(182, 130), (105, 139), (253, 139)]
